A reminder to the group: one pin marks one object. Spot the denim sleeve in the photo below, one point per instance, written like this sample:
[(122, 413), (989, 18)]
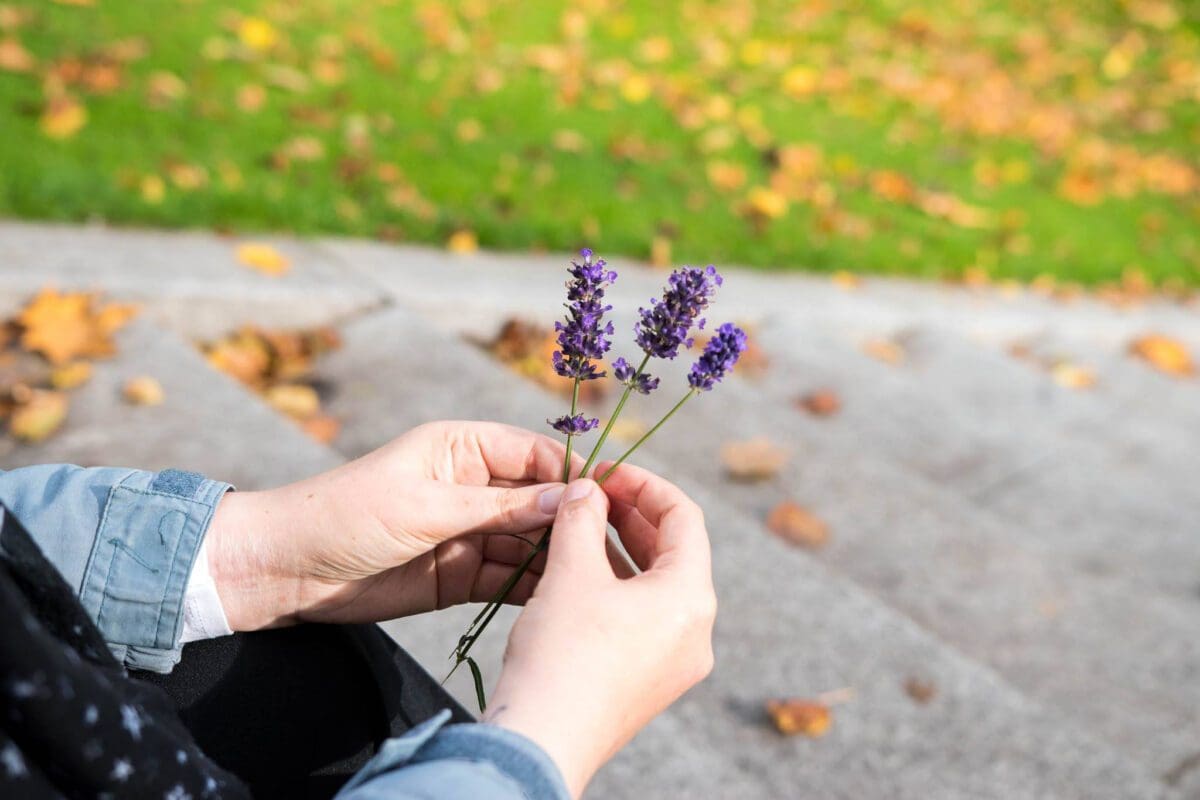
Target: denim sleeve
[(126, 540), (457, 762)]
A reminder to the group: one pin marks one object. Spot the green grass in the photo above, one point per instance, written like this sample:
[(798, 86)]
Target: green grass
[(409, 79)]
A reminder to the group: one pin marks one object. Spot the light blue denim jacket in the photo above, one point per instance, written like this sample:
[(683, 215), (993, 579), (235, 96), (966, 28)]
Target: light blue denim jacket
[(126, 540)]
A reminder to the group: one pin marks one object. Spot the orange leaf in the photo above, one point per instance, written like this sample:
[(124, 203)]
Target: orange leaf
[(753, 460), (294, 399), (798, 716), (14, 57), (322, 427), (884, 350), (462, 241), (821, 403), (798, 525), (1073, 376), (63, 327), (920, 691), (71, 375), (1164, 354), (264, 258), (143, 391)]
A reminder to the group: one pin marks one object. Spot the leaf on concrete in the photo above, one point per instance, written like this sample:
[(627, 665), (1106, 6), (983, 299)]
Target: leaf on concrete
[(821, 403), (71, 375), (65, 327), (294, 399), (143, 391), (1164, 353), (628, 429), (797, 716), (462, 242), (921, 691), (38, 414), (797, 525), (885, 350), (322, 427), (754, 460), (264, 258), (1072, 376)]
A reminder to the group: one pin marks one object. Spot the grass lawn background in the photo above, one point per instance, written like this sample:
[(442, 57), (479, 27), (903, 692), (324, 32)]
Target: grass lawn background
[(1011, 137)]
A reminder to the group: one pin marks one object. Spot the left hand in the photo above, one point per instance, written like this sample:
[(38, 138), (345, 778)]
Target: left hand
[(417, 525)]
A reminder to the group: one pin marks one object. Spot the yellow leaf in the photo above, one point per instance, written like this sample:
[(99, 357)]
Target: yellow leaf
[(754, 460), (884, 350), (264, 258), (63, 327), (766, 203), (1073, 376), (1164, 354), (845, 280), (660, 251), (71, 375), (795, 524), (63, 118), (38, 416), (462, 241), (143, 391), (797, 716), (322, 427), (800, 81), (152, 189), (257, 34), (294, 399), (636, 88)]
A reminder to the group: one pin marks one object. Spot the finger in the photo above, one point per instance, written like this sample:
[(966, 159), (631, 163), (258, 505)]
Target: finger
[(638, 536), (509, 549), (451, 510), (577, 544), (515, 454), (491, 580), (680, 539)]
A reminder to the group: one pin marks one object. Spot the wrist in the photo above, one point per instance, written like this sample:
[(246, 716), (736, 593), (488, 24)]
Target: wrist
[(244, 560), (551, 731)]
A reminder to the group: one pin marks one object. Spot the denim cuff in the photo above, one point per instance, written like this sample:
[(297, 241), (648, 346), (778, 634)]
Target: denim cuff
[(515, 759), (150, 530)]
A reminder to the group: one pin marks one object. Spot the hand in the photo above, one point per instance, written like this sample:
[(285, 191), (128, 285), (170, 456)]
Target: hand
[(427, 521), (594, 657)]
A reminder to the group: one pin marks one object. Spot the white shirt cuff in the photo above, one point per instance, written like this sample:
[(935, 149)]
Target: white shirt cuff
[(203, 615)]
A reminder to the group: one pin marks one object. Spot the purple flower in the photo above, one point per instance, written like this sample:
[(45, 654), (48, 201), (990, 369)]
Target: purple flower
[(627, 374), (665, 325), (720, 354), (573, 426), (581, 338)]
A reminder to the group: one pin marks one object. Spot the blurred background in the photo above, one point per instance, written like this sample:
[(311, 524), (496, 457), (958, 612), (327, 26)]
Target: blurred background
[(952, 487)]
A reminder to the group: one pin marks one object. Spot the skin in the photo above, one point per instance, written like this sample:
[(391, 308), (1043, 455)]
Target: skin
[(432, 519)]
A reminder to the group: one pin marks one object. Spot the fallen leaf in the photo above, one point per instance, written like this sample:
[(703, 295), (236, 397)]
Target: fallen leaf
[(294, 399), (63, 118), (1164, 354), (847, 281), (628, 429), (754, 460), (885, 350), (766, 203), (821, 403), (794, 716), (64, 327), (257, 34), (143, 391), (263, 257), (921, 691), (462, 242), (660, 252), (796, 524), (39, 415), (71, 375), (322, 427), (1073, 376), (14, 57)]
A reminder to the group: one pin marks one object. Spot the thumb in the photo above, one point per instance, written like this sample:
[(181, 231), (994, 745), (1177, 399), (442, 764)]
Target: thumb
[(581, 529), (458, 510)]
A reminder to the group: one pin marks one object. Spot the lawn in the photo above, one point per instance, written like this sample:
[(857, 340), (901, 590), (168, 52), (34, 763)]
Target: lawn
[(1013, 138)]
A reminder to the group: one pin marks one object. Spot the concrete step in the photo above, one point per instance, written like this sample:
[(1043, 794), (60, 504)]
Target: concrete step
[(208, 422), (787, 627), (191, 283)]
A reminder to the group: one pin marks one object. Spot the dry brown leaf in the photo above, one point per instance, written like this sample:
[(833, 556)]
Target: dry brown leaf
[(794, 716), (821, 403), (38, 415), (143, 391), (796, 524), (754, 460), (885, 350), (294, 399), (71, 375), (1164, 353), (264, 258), (921, 691), (64, 327), (322, 427)]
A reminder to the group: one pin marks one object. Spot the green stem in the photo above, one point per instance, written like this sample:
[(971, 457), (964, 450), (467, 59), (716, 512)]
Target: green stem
[(613, 417), (645, 436)]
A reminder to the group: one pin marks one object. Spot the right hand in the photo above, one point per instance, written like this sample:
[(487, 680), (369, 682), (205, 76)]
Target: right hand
[(594, 657)]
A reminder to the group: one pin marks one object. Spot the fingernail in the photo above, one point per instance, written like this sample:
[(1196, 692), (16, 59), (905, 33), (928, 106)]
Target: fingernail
[(578, 490), (548, 500)]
